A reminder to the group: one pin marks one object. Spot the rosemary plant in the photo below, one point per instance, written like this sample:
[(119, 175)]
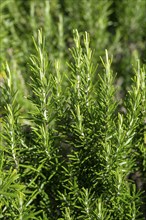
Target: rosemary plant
[(75, 154)]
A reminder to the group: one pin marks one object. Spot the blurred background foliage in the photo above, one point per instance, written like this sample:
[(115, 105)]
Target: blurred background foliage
[(119, 26)]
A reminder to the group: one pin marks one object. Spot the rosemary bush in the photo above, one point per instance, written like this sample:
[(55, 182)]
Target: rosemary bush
[(75, 154), (72, 121)]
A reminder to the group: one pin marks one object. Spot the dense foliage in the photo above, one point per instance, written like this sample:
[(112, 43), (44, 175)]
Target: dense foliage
[(72, 132)]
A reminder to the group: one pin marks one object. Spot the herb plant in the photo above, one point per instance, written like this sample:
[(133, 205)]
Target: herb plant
[(74, 154)]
